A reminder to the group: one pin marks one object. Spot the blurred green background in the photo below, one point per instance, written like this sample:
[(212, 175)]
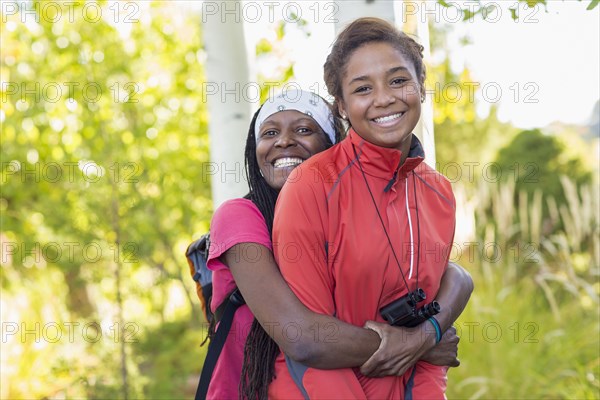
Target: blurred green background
[(103, 187)]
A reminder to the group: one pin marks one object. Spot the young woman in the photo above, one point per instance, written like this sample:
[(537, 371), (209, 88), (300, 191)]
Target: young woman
[(284, 133), (370, 221)]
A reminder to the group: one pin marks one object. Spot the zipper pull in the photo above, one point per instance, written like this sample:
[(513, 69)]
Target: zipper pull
[(391, 182)]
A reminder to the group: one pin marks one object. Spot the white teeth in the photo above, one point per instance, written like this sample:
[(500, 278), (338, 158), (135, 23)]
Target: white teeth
[(388, 118), (287, 162)]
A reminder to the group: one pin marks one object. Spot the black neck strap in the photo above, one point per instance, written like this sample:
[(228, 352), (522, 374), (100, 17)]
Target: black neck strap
[(383, 224)]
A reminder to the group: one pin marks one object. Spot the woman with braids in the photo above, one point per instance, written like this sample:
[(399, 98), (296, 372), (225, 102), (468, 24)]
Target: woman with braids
[(286, 131), (371, 224)]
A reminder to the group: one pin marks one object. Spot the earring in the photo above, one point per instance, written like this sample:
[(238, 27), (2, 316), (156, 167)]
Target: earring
[(344, 116)]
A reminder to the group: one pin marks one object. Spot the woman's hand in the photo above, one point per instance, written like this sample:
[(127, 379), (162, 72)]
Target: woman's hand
[(399, 350), (444, 353)]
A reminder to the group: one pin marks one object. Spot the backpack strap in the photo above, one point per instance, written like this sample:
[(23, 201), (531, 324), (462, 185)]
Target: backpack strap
[(197, 256), (228, 308)]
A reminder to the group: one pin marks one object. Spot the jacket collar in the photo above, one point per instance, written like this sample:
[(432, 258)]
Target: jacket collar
[(380, 161)]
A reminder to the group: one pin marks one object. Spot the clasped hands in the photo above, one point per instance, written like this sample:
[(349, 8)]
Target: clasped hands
[(401, 348)]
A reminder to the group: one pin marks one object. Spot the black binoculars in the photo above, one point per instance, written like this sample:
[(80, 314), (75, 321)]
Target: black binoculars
[(404, 311)]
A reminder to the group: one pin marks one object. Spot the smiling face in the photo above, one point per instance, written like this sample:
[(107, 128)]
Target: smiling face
[(381, 95), (285, 140)]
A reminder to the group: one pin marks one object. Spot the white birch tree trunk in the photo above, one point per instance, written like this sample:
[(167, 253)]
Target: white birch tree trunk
[(416, 26), (228, 110)]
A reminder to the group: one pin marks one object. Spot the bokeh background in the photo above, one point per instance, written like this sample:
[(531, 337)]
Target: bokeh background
[(105, 153)]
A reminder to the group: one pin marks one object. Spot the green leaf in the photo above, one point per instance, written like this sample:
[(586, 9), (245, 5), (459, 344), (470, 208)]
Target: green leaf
[(487, 10), (513, 14), (533, 3), (467, 14), (281, 30), (288, 73), (443, 3), (593, 4), (263, 47)]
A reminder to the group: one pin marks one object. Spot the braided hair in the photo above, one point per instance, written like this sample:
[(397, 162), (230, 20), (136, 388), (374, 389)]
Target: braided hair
[(261, 350)]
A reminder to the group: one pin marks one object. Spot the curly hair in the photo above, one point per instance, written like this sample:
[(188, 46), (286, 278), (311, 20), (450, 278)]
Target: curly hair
[(359, 33)]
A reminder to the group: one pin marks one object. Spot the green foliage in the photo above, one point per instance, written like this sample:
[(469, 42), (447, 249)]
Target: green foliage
[(164, 356), (118, 169), (537, 162), (531, 328), (479, 8), (513, 347), (263, 47), (102, 187), (274, 55)]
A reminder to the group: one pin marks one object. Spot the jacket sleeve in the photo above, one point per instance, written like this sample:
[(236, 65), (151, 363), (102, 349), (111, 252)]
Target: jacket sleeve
[(299, 237)]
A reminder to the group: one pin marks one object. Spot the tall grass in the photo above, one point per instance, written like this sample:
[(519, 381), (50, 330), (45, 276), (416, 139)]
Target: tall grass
[(532, 327)]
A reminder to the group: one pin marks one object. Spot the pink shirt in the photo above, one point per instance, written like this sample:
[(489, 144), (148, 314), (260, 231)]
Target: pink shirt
[(235, 221)]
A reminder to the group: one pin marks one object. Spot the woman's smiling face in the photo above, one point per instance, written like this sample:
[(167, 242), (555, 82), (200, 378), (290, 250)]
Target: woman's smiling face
[(284, 141), (381, 95)]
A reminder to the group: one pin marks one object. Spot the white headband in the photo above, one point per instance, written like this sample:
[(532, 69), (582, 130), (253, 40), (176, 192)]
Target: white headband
[(300, 100)]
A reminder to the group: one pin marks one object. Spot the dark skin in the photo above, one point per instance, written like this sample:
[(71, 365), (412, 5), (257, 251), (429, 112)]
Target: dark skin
[(454, 293)]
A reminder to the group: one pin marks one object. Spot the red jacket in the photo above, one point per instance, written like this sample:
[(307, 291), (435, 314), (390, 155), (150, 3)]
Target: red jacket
[(333, 252)]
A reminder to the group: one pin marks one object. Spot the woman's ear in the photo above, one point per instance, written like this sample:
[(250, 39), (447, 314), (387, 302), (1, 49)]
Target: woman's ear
[(341, 110)]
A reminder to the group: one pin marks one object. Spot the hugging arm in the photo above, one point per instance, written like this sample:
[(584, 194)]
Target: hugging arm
[(322, 341), (312, 339)]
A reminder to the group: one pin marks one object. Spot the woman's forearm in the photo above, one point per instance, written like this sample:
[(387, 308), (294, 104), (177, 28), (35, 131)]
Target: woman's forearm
[(315, 340), (454, 293)]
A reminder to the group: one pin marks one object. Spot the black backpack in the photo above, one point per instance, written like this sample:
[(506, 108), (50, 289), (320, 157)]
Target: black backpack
[(197, 257)]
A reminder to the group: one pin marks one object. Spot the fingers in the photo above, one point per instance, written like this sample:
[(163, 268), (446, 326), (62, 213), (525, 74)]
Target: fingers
[(450, 336), (375, 326), (400, 349), (389, 358), (452, 339), (369, 368)]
